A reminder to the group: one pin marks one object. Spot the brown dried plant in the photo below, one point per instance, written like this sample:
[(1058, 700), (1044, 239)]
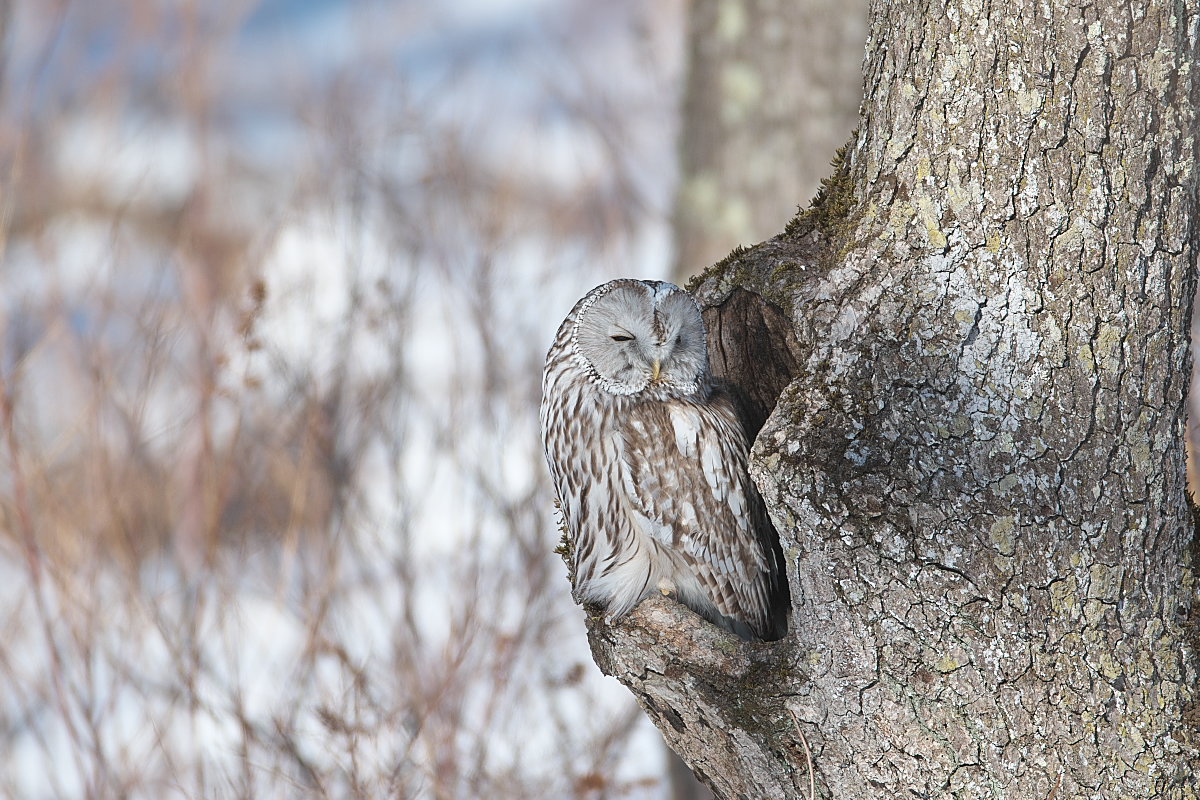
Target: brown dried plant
[(270, 530)]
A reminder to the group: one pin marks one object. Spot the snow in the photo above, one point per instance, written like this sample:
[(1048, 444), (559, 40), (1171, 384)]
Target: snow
[(154, 163)]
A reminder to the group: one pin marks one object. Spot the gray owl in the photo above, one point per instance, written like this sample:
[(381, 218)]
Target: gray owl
[(648, 459)]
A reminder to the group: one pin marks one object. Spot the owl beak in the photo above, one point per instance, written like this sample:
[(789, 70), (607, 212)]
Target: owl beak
[(654, 373)]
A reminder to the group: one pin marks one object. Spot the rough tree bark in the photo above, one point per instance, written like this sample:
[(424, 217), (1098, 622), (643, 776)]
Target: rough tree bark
[(976, 464)]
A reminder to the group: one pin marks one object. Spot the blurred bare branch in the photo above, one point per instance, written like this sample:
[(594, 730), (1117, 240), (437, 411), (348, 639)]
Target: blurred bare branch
[(273, 520)]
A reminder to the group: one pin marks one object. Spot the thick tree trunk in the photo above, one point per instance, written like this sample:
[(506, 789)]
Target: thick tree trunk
[(978, 469)]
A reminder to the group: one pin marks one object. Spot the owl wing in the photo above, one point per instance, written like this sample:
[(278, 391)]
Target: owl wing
[(685, 469), (578, 439)]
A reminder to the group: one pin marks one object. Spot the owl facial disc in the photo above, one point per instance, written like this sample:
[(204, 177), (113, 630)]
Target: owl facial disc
[(633, 336)]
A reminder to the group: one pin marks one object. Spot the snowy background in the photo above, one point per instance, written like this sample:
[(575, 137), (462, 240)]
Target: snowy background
[(277, 282)]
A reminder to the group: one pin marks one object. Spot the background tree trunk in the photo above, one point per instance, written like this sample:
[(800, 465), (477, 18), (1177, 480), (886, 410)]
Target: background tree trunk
[(978, 469), (769, 83)]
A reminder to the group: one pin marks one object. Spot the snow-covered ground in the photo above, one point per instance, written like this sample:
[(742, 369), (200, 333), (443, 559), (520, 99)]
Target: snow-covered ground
[(274, 303)]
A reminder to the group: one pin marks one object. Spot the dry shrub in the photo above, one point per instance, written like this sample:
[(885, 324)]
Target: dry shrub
[(273, 517)]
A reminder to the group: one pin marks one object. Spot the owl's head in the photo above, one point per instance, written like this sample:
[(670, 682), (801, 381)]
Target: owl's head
[(637, 336)]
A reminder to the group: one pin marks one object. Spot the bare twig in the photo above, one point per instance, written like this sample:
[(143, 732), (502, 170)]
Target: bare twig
[(1058, 785), (812, 781)]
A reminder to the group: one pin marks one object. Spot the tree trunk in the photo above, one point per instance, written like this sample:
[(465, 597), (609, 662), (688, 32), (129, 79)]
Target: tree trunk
[(769, 83), (976, 461)]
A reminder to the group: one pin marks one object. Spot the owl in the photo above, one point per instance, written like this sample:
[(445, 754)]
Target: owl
[(649, 462)]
